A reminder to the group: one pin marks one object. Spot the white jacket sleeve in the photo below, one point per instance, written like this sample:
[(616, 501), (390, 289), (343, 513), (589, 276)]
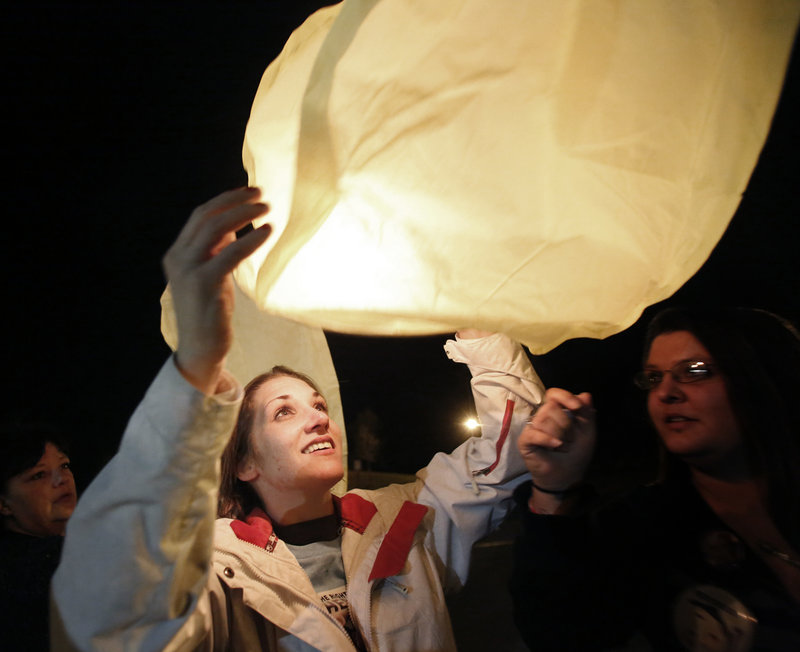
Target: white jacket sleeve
[(470, 489), (137, 549)]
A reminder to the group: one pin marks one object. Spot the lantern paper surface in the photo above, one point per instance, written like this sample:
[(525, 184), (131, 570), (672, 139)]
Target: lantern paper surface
[(261, 341), (546, 169)]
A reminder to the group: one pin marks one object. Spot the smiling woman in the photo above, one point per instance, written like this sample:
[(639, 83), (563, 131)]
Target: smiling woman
[(283, 419), (288, 565)]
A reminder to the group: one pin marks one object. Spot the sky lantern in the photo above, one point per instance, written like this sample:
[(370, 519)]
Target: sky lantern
[(546, 169)]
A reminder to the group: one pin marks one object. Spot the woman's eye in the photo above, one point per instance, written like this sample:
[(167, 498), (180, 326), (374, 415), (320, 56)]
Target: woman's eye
[(282, 412), (37, 476), (321, 407), (697, 371), (66, 465)]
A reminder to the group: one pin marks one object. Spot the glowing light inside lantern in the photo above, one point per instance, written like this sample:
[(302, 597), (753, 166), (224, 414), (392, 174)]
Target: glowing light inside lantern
[(543, 169)]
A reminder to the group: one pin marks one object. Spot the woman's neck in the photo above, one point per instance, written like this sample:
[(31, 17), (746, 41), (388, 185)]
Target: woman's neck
[(732, 466), (730, 492), (298, 507)]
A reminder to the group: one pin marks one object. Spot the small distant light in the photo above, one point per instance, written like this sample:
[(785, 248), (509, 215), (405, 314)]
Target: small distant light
[(472, 424)]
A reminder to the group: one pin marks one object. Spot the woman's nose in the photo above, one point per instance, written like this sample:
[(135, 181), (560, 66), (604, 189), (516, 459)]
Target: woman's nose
[(668, 390), (318, 419), (59, 476)]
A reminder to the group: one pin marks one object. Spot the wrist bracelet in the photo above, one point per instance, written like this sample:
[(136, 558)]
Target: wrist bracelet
[(571, 490)]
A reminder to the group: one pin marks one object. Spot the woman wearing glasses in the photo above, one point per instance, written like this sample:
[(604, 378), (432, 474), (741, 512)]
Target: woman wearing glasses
[(708, 559)]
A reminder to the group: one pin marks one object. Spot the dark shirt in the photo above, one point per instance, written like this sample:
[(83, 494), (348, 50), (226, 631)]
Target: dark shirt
[(659, 563), (26, 566)]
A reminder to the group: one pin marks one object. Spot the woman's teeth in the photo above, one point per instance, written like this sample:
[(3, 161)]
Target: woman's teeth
[(317, 447)]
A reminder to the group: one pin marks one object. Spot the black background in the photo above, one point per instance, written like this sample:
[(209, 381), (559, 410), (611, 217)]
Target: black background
[(121, 117)]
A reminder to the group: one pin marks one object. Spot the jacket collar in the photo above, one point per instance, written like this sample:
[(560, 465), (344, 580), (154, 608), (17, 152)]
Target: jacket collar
[(355, 513)]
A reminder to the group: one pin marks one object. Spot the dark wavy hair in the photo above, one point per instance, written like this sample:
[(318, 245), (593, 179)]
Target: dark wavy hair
[(22, 445), (758, 354), (236, 498)]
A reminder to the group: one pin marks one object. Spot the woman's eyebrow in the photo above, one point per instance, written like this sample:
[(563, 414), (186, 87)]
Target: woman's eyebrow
[(282, 397), (692, 358)]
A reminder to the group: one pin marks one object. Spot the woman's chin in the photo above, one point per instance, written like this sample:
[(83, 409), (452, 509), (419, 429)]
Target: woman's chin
[(329, 475), (336, 477)]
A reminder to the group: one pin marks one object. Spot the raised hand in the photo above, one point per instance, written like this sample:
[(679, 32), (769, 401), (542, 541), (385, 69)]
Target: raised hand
[(199, 267), (558, 442)]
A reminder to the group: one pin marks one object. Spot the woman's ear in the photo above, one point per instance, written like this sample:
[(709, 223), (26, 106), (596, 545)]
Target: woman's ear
[(247, 471), (5, 510)]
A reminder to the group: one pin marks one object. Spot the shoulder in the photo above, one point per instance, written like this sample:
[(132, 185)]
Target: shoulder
[(387, 502), (224, 536), (388, 499)]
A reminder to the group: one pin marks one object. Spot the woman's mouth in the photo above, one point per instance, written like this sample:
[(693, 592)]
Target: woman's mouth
[(66, 498), (677, 422), (318, 445)]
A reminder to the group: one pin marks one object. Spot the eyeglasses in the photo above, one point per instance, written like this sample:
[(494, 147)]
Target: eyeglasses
[(684, 372)]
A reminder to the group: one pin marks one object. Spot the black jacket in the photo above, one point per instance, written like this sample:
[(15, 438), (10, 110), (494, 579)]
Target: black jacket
[(659, 563)]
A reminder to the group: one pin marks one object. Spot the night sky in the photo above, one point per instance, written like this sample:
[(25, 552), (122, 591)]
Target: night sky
[(120, 118)]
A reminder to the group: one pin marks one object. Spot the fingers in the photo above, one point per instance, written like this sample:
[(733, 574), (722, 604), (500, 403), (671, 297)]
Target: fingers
[(558, 442), (532, 439), (553, 422), (234, 253), (215, 222), (472, 333), (566, 400), (554, 417), (209, 237), (586, 399), (222, 203)]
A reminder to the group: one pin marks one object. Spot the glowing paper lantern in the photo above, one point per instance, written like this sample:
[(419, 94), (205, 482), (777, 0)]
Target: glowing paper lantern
[(547, 169)]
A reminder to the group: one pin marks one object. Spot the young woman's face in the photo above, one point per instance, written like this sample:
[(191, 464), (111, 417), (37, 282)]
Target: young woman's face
[(295, 445), (694, 420), (40, 500)]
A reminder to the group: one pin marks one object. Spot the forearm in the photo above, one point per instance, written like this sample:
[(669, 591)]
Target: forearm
[(143, 529), (505, 389), (470, 489)]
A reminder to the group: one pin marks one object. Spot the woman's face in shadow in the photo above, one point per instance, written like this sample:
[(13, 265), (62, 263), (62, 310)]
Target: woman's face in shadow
[(40, 500), (694, 420)]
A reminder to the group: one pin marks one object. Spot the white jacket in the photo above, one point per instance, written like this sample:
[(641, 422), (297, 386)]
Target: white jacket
[(146, 566)]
